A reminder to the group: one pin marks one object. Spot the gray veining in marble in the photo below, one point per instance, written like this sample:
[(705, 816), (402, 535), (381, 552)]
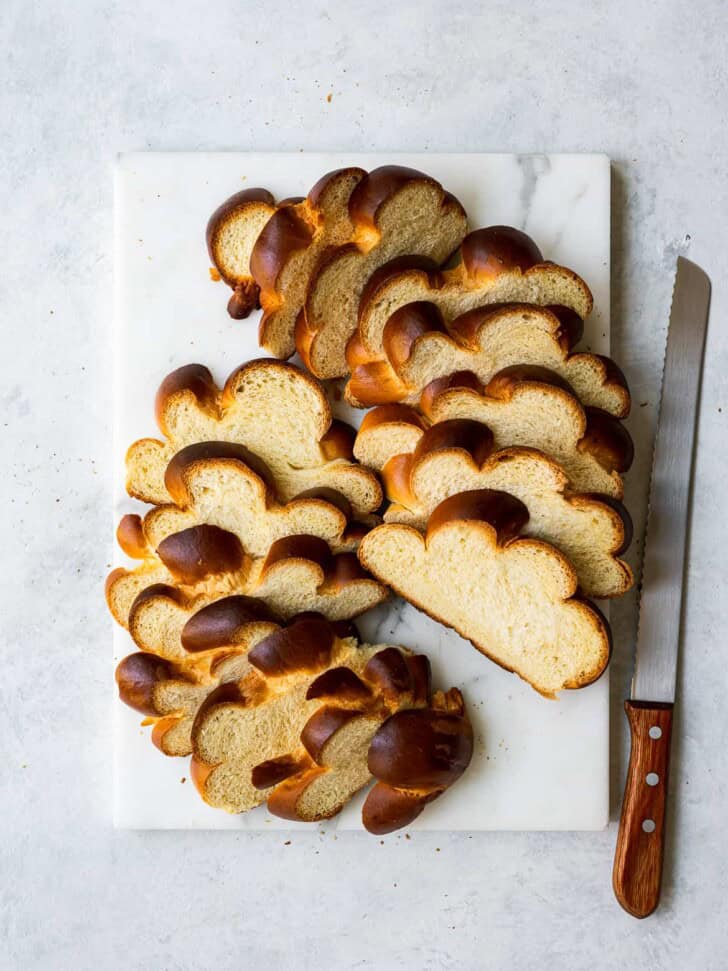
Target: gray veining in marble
[(647, 84)]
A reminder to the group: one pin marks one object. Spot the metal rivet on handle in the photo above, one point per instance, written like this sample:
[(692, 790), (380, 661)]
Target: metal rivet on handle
[(652, 778), (655, 732), (648, 825)]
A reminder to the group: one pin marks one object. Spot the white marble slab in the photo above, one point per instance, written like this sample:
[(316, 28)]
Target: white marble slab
[(537, 764)]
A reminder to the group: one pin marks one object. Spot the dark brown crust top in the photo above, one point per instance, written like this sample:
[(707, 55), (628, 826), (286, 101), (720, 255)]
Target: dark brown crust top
[(607, 439), (274, 771), (406, 325), (381, 185), (137, 676), (502, 384), (191, 378), (322, 725), (201, 551), (506, 514), (285, 232), (422, 748), (459, 379), (389, 673), (338, 570), (304, 646), (473, 437), (219, 623), (388, 414), (488, 252), (175, 478), (339, 684), (317, 193)]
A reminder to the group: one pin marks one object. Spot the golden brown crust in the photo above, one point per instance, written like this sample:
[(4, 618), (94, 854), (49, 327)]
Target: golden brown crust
[(388, 414), (322, 725), (199, 552), (130, 537), (176, 478), (504, 513), (605, 437), (380, 186), (284, 233), (391, 270), (193, 379), (274, 771)]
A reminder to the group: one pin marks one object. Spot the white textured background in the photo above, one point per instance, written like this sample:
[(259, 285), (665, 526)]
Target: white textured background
[(645, 82)]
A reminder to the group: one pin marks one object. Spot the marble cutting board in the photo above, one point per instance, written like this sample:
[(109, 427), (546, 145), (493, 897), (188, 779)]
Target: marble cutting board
[(538, 764)]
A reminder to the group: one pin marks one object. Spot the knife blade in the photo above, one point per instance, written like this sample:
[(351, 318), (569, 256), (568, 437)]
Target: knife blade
[(637, 873)]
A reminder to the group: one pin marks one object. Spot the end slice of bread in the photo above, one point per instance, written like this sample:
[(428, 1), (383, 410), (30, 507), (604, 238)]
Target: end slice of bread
[(231, 234), (513, 598)]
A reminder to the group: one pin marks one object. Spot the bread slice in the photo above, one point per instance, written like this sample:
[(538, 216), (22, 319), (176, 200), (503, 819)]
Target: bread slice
[(312, 259), (287, 250), (418, 349), (231, 233), (525, 406), (416, 755), (170, 694), (497, 264), (512, 597), (276, 411), (222, 484), (205, 563), (308, 744), (459, 456), (394, 211)]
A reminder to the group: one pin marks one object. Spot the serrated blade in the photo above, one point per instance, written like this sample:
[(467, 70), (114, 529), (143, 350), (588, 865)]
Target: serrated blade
[(658, 634)]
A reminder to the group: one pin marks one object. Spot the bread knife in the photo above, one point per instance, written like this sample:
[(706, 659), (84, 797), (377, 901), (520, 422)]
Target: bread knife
[(637, 874)]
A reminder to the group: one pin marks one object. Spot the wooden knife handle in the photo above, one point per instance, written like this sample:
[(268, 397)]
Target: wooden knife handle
[(637, 873)]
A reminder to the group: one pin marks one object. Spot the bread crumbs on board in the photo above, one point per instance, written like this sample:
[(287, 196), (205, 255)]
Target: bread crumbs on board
[(214, 275)]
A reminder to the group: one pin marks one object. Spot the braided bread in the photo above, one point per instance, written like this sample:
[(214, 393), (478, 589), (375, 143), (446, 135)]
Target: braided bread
[(277, 412), (523, 405), (458, 455), (513, 598), (418, 348)]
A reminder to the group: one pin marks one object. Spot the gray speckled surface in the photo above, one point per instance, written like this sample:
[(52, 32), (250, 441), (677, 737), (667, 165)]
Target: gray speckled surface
[(647, 84)]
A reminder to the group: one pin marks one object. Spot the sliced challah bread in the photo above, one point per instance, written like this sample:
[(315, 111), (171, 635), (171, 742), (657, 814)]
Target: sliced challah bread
[(395, 211), (222, 484), (276, 411), (170, 694), (498, 264), (419, 349), (231, 233), (205, 563), (512, 597), (303, 743), (287, 250), (522, 405), (311, 260), (459, 456)]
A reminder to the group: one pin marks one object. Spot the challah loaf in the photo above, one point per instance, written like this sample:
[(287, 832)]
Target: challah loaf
[(498, 264), (231, 233), (512, 597), (418, 349), (276, 411), (458, 455)]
